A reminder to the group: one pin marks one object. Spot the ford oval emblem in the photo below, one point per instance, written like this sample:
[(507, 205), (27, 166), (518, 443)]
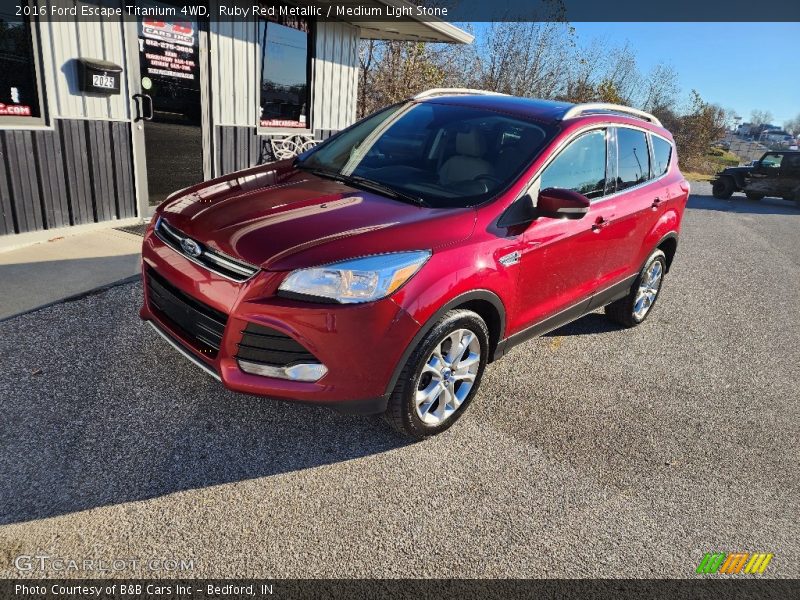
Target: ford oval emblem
[(191, 247)]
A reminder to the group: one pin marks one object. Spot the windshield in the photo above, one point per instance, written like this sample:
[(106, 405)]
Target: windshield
[(443, 155)]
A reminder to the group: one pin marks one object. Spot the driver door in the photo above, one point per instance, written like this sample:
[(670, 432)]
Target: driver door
[(765, 177), (563, 260)]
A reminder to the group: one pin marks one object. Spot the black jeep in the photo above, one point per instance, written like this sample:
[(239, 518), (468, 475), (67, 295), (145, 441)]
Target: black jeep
[(775, 174)]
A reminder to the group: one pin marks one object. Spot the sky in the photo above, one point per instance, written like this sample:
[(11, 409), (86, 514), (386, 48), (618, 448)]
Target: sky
[(740, 66)]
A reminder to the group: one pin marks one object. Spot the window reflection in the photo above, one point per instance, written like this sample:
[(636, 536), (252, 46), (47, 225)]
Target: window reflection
[(285, 72)]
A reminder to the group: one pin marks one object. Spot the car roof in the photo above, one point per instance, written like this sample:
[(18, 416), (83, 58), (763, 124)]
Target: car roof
[(541, 110), (544, 111)]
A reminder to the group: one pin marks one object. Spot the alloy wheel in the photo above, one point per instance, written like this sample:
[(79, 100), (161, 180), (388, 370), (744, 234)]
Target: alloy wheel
[(447, 376), (648, 290)]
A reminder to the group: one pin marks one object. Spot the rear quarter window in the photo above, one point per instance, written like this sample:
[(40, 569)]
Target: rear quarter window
[(633, 158), (662, 154)]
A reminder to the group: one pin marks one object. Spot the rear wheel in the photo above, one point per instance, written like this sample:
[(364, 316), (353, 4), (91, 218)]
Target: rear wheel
[(723, 188), (441, 376), (637, 305)]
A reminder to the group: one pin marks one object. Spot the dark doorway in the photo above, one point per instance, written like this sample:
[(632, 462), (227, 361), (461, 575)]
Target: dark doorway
[(170, 101)]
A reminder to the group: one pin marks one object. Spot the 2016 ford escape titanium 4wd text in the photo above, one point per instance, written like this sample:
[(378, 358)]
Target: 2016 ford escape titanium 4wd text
[(382, 270)]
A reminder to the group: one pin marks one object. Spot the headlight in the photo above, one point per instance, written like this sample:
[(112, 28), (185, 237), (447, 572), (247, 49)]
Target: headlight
[(358, 280)]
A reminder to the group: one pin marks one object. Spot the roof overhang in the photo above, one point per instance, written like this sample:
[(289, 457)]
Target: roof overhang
[(405, 28)]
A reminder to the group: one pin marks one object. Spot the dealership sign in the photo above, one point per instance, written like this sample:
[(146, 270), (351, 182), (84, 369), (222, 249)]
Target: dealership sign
[(168, 49)]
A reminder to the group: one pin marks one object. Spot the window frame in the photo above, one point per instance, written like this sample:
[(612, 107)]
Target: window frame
[(40, 122), (310, 63)]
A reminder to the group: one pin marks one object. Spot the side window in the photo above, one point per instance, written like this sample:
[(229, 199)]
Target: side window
[(662, 153), (772, 161), (633, 158), (581, 166)]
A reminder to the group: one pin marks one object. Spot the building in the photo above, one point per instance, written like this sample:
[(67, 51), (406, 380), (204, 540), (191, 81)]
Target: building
[(102, 118)]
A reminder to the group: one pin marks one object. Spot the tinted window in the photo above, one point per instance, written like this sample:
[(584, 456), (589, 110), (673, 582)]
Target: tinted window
[(662, 153), (634, 159), (449, 156), (581, 167), (284, 72), (18, 93)]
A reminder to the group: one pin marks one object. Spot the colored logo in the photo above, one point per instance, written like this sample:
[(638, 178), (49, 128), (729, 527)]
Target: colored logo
[(735, 563)]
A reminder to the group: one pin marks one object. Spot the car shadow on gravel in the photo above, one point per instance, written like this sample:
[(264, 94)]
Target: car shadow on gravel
[(98, 410), (740, 204), (591, 324)]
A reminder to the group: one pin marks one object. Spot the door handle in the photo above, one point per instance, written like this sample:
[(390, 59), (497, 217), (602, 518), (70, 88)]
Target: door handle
[(656, 203), (599, 223), (140, 101)]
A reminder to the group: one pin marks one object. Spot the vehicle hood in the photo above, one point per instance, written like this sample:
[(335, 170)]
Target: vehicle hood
[(282, 218), (731, 170)]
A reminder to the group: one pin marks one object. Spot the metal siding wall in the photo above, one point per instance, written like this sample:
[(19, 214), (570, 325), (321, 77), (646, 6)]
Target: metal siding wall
[(51, 175), (19, 156), (335, 75), (81, 171), (64, 41), (234, 73), (238, 148)]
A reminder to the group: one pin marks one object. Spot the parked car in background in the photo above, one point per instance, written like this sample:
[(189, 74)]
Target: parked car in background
[(774, 174), (381, 271)]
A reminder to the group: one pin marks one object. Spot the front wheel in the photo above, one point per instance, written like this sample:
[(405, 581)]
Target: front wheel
[(723, 188), (441, 376), (634, 308)]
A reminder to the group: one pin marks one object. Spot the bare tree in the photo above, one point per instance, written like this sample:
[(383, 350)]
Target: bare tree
[(793, 125), (761, 117), (522, 59), (366, 62)]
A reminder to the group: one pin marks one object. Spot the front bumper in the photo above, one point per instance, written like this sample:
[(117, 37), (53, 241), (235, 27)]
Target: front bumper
[(359, 344)]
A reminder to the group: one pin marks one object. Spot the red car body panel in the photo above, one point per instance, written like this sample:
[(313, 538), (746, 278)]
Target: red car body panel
[(281, 218)]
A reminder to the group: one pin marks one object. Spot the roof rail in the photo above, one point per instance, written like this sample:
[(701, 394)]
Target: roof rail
[(602, 107), (454, 91)]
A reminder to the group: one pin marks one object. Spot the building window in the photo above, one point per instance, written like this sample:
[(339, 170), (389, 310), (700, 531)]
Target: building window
[(19, 89), (285, 72)]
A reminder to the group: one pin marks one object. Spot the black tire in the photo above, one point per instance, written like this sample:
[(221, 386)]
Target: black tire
[(723, 188), (401, 412), (754, 197), (622, 311)]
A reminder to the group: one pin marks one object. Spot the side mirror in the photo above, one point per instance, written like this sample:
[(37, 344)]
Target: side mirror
[(558, 203)]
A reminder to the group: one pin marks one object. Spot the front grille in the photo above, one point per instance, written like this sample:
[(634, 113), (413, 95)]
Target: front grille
[(200, 324), (219, 263), (267, 346)]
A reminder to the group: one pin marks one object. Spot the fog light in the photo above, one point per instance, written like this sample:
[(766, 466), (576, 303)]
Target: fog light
[(298, 372)]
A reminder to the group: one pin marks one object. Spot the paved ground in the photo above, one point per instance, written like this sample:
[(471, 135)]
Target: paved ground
[(47, 272), (593, 451)]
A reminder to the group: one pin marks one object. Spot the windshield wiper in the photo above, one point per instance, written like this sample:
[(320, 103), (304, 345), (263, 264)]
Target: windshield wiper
[(363, 182), (387, 190)]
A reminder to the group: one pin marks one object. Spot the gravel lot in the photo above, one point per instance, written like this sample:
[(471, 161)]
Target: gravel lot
[(593, 451)]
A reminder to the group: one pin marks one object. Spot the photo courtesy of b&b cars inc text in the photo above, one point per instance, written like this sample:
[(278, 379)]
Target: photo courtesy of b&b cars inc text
[(406, 299)]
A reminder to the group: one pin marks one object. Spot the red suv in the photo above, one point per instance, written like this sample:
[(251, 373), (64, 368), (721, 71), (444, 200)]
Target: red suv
[(382, 270)]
